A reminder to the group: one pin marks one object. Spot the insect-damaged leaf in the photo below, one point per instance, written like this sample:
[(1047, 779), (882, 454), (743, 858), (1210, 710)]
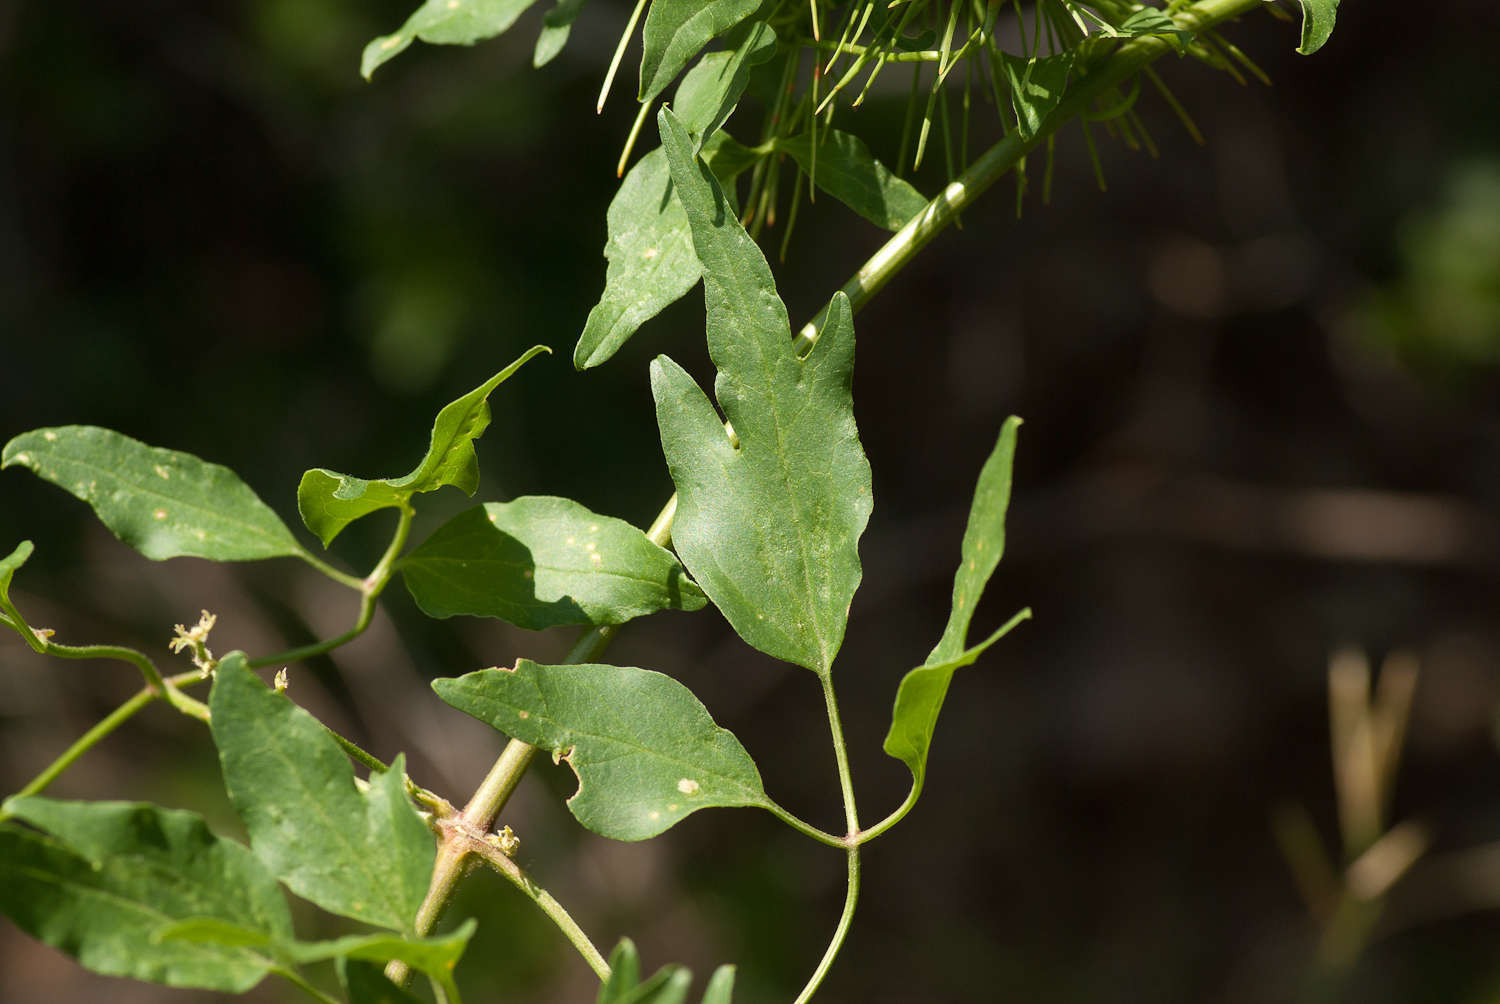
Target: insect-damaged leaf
[(920, 696), (329, 501), (676, 30), (646, 752), (444, 22), (365, 855), (769, 529), (538, 562), (111, 874), (163, 503), (850, 173)]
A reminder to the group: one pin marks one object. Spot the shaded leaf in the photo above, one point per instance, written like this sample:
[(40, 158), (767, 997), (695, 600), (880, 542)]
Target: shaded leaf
[(365, 855), (711, 89), (646, 752), (556, 27), (1317, 24), (650, 250), (920, 696), (1036, 87), (769, 529), (163, 503), (1151, 21), (669, 985), (365, 983), (676, 30), (113, 873), (444, 22), (850, 173), (538, 562), (329, 501)]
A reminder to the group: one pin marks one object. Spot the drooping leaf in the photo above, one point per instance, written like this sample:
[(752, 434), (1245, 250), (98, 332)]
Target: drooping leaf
[(556, 27), (676, 30), (650, 250), (850, 173), (365, 983), (163, 503), (1317, 24), (444, 22), (539, 561), (769, 530), (920, 696), (646, 752), (711, 89), (113, 873), (365, 855), (1036, 87), (329, 501)]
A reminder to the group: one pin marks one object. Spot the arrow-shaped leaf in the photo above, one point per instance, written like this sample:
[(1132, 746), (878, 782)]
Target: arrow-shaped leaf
[(163, 503), (1036, 87), (769, 529), (676, 30), (850, 173), (711, 89), (365, 855), (646, 752), (113, 873), (539, 561), (329, 501), (444, 22), (920, 696)]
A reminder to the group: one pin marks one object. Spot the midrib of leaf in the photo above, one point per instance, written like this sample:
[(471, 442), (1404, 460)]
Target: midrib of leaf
[(155, 492), (496, 562)]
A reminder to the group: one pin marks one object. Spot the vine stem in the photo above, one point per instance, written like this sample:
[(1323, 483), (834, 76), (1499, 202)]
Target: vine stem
[(490, 798)]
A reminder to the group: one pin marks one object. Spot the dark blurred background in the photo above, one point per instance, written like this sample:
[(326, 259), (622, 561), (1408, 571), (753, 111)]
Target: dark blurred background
[(1259, 381)]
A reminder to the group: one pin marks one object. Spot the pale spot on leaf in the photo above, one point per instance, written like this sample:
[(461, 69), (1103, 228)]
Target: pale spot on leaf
[(163, 473), (50, 437), (688, 786), (160, 514)]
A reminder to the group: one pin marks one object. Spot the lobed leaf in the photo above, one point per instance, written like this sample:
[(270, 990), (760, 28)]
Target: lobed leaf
[(850, 173), (112, 873), (556, 26), (669, 985), (710, 90), (163, 503), (676, 30), (329, 501), (539, 561), (1317, 24), (645, 751), (1036, 87), (769, 529), (923, 690), (365, 855), (650, 249), (444, 22)]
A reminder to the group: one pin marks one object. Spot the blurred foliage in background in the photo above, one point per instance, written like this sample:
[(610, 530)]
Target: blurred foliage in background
[(1260, 380)]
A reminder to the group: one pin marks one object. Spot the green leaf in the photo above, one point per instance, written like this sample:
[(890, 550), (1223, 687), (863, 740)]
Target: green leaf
[(676, 30), (1317, 24), (365, 855), (329, 501), (556, 27), (9, 615), (1152, 22), (115, 872), (365, 983), (444, 22), (711, 89), (162, 503), (650, 249), (1036, 87), (850, 173), (538, 562), (646, 752), (435, 956), (769, 529), (920, 696), (669, 985)]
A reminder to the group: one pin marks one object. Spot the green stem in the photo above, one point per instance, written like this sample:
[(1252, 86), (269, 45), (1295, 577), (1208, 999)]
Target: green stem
[(88, 740), (551, 907), (344, 578), (840, 933), (296, 979), (807, 829)]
